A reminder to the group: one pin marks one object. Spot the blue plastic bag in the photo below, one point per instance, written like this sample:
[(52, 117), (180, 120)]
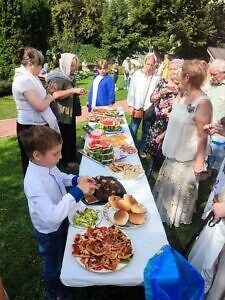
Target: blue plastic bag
[(169, 276)]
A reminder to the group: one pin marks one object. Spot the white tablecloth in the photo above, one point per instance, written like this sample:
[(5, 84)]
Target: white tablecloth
[(147, 239)]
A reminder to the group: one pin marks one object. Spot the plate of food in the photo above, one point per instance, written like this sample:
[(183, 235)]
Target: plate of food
[(125, 212), (127, 149), (125, 171), (107, 186), (85, 217), (117, 140), (103, 249)]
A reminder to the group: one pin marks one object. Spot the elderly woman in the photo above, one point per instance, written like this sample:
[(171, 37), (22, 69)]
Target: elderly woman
[(32, 102), (184, 146), (142, 85), (162, 98), (67, 104), (215, 89)]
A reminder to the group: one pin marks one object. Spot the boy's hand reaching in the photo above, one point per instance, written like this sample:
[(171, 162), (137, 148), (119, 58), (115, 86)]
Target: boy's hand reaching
[(87, 187), (85, 179)]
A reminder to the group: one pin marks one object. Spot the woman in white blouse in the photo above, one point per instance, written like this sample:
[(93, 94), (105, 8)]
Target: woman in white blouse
[(142, 85), (184, 146), (32, 102)]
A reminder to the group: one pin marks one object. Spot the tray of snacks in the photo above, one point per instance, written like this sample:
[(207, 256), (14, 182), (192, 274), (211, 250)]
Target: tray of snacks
[(84, 217), (107, 186), (103, 249), (122, 170), (126, 212), (117, 140), (109, 125), (127, 149)]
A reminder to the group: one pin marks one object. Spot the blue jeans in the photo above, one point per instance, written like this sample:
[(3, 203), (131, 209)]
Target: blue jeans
[(51, 248), (134, 125)]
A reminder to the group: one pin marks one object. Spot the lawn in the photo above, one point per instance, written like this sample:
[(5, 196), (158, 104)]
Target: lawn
[(20, 264)]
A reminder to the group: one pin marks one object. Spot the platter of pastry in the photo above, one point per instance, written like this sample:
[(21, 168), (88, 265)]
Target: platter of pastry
[(103, 249), (107, 186), (123, 170), (125, 212)]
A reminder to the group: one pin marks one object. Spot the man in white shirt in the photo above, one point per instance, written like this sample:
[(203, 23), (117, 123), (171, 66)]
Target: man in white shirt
[(215, 89)]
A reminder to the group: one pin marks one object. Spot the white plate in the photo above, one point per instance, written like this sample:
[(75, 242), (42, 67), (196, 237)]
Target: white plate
[(118, 149), (108, 213), (103, 271), (120, 175), (75, 211)]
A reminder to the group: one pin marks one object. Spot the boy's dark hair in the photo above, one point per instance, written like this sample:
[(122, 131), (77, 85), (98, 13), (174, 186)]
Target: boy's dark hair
[(39, 138)]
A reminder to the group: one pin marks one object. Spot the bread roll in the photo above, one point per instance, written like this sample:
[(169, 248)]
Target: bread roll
[(129, 198), (113, 201), (121, 217), (124, 204), (137, 219), (138, 208)]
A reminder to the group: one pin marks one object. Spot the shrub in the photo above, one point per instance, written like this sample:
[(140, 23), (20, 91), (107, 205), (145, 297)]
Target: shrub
[(5, 87)]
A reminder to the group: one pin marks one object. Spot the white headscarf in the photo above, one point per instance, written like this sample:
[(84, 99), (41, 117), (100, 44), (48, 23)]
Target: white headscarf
[(65, 62)]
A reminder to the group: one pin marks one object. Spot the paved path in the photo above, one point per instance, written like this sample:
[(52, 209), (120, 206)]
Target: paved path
[(8, 127)]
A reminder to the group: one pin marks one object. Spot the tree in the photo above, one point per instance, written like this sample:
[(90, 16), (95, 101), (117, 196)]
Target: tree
[(10, 35), (36, 25)]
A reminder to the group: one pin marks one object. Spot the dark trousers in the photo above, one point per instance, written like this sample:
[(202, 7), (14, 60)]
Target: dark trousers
[(68, 132), (24, 158), (51, 247)]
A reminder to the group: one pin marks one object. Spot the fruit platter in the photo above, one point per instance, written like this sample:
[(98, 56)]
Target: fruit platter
[(100, 150), (109, 125)]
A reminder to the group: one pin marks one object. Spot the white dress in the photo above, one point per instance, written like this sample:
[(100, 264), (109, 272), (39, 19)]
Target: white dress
[(212, 239), (176, 188)]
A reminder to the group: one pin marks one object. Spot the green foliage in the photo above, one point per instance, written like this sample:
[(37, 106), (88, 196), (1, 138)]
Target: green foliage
[(36, 24), (10, 35), (5, 87)]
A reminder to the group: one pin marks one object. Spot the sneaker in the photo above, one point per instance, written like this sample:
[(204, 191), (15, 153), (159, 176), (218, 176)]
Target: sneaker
[(142, 154)]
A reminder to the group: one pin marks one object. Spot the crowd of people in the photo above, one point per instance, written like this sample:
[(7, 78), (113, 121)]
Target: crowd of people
[(182, 114)]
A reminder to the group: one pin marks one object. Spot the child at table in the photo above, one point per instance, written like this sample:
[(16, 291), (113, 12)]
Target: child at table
[(102, 92), (49, 202)]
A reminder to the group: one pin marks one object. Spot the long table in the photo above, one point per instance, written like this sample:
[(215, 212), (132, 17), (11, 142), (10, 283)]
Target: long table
[(147, 239)]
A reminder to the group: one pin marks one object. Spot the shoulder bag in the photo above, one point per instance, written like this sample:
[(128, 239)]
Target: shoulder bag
[(139, 113)]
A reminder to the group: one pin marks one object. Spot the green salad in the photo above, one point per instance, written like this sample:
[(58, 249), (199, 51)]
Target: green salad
[(86, 218)]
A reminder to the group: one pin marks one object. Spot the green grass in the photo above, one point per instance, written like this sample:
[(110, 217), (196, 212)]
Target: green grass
[(20, 263), (8, 106)]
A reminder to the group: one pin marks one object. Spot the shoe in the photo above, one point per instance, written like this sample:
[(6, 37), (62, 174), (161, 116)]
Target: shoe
[(142, 154)]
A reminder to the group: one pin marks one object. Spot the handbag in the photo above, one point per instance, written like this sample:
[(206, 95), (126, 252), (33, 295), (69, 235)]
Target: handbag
[(169, 276), (149, 114), (137, 113)]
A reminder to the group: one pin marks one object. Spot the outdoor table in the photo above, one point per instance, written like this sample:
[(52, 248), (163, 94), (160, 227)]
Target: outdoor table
[(147, 239)]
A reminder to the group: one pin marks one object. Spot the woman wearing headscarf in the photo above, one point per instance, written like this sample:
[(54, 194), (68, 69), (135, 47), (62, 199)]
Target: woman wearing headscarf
[(66, 95), (32, 102)]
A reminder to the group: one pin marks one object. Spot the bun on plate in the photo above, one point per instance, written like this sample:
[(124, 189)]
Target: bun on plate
[(137, 219), (113, 201), (138, 208), (129, 198), (121, 217), (124, 204)]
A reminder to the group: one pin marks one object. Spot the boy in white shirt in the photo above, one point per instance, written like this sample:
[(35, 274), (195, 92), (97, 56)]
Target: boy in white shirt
[(48, 201)]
